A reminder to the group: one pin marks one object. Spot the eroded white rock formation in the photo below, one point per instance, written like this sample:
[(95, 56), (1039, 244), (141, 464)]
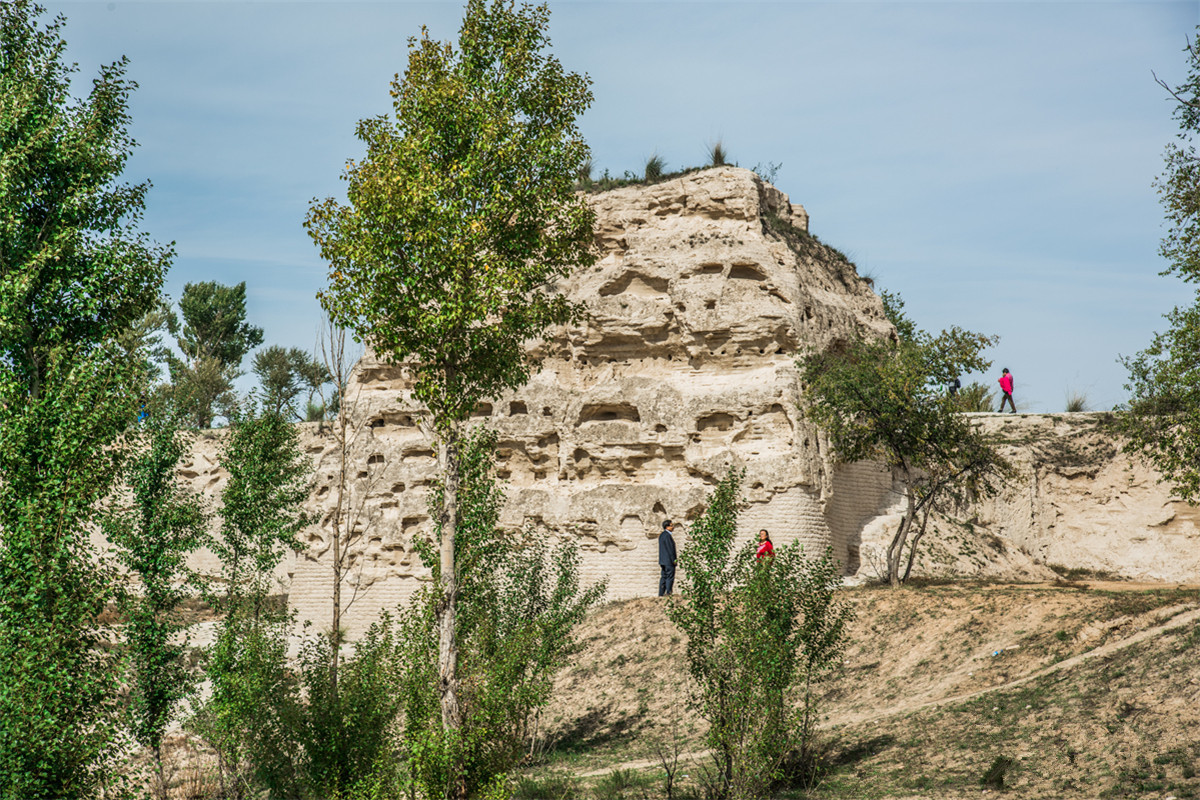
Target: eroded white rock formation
[(1076, 502), (707, 288)]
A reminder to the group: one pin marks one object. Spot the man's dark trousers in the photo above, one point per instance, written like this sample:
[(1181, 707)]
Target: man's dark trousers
[(667, 581)]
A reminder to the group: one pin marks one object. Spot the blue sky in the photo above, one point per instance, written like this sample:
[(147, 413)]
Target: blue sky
[(992, 162)]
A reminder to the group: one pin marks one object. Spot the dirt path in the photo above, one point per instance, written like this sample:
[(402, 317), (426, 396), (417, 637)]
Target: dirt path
[(1176, 617)]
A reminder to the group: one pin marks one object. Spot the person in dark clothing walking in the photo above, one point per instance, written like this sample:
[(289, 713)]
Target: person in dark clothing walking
[(666, 558)]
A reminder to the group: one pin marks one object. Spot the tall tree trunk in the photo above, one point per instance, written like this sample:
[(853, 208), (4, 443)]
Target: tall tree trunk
[(339, 524), (896, 548), (333, 356), (912, 549), (448, 455), (161, 789)]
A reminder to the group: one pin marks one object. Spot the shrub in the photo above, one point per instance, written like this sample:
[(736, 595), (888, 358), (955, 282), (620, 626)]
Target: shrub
[(717, 157), (244, 718), (314, 411), (621, 783), (767, 171), (583, 177), (320, 740), (976, 397), (994, 776), (550, 787), (655, 168), (760, 635)]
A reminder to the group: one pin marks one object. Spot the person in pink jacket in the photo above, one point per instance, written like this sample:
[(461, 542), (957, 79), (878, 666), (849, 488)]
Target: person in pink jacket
[(1006, 386)]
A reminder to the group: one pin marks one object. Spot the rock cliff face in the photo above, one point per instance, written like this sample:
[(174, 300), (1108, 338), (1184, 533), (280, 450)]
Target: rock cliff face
[(1080, 503), (706, 289), (1076, 503)]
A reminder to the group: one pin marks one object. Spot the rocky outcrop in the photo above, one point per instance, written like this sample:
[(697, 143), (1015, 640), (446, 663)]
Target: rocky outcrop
[(1077, 503), (706, 289), (1080, 503)]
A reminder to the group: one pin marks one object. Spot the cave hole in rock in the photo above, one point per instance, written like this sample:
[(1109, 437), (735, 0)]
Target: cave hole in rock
[(710, 304), (418, 453), (720, 420), (397, 488), (745, 272), (482, 410), (659, 509), (362, 475), (517, 407), (711, 269), (375, 458), (660, 428), (631, 525), (409, 525), (609, 412), (635, 284), (546, 411)]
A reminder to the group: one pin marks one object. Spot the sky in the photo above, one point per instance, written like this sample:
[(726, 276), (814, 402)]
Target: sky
[(993, 162)]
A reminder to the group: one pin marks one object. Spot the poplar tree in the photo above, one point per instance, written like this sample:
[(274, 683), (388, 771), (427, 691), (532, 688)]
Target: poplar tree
[(459, 220), (153, 534), (1163, 419), (76, 275)]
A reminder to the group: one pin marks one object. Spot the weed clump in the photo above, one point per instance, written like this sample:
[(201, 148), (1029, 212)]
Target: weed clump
[(993, 778)]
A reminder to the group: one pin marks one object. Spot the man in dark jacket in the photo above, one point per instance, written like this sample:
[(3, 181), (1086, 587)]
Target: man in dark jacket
[(666, 558)]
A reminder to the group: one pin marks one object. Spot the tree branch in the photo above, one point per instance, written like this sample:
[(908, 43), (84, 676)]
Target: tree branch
[(1173, 93)]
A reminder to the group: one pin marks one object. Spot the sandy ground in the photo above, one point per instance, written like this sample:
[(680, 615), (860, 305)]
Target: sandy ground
[(1109, 670)]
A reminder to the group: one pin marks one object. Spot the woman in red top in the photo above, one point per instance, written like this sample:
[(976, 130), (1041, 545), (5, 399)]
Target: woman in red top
[(765, 548)]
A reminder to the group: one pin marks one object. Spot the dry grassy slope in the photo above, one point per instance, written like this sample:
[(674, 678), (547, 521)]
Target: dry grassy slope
[(924, 704)]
